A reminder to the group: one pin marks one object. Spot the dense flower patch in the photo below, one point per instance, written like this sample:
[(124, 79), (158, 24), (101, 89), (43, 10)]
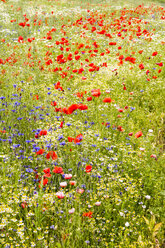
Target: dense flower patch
[(82, 125)]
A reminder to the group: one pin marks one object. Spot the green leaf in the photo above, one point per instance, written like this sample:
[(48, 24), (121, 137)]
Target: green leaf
[(147, 221), (157, 227), (162, 193), (58, 245)]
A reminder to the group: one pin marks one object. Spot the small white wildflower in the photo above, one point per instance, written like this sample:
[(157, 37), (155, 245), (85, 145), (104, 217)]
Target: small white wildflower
[(72, 210), (97, 203), (122, 214), (148, 197), (127, 224)]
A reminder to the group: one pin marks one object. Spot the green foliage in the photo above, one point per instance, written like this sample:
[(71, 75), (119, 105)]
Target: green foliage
[(120, 202)]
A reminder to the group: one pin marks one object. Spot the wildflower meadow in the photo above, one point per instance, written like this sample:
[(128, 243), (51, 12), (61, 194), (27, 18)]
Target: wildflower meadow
[(82, 123)]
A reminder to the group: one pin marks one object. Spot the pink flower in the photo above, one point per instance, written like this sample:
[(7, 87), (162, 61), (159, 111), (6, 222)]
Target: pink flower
[(63, 184), (97, 203), (60, 195), (68, 176), (80, 191), (71, 211), (154, 156)]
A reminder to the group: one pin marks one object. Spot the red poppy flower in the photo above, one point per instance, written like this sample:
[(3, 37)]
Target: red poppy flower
[(72, 108), (58, 170), (40, 152), (61, 124), (141, 66), (22, 24), (77, 57), (2, 131), (89, 98), (82, 107), (96, 92), (44, 182), (154, 53), (119, 128), (159, 64), (47, 175), (43, 133), (88, 168), (112, 43), (78, 138), (52, 155), (46, 170), (65, 110), (57, 86), (70, 139), (138, 134), (88, 214), (53, 103), (20, 38), (57, 109), (140, 51), (24, 204), (49, 37), (35, 97), (107, 99), (120, 110), (130, 59)]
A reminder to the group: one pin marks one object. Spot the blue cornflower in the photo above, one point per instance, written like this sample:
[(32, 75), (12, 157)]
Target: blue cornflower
[(16, 145), (29, 170), (49, 145), (60, 137), (63, 143)]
